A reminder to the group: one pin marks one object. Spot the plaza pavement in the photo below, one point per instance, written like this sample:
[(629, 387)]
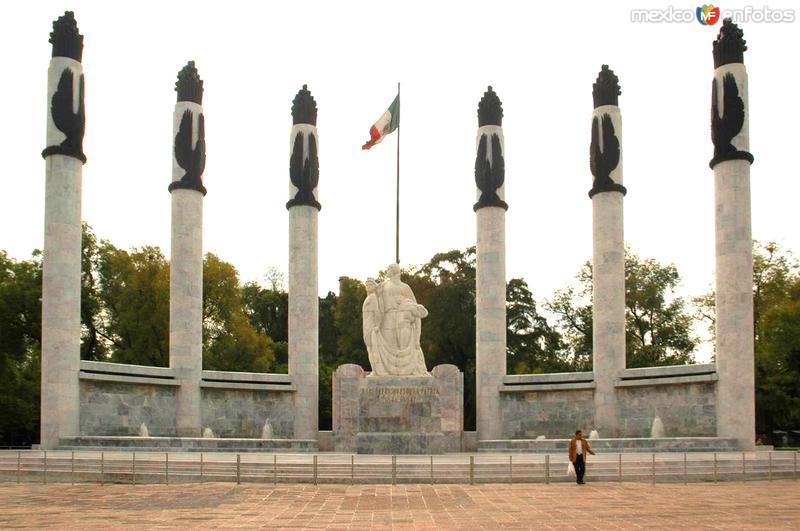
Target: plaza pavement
[(754, 505)]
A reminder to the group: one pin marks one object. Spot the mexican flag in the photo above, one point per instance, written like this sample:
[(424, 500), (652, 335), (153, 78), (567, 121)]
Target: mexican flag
[(388, 122)]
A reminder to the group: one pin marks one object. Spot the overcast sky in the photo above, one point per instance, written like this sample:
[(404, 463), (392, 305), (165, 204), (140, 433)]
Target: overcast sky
[(541, 61)]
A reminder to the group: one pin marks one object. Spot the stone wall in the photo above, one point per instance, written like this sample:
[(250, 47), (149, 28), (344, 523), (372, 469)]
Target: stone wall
[(120, 408), (554, 414), (113, 408), (243, 412), (398, 414), (686, 410)]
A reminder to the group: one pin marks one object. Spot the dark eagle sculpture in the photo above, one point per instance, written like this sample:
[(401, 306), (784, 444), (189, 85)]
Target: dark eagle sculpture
[(602, 163), (69, 121), (489, 177), (304, 172), (192, 159), (725, 126)]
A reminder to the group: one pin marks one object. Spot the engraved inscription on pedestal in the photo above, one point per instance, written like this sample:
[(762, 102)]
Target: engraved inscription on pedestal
[(398, 414)]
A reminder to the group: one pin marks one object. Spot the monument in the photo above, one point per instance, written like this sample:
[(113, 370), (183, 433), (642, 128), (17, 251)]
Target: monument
[(608, 249), (490, 272), (186, 259), (61, 276), (392, 322), (399, 407), (730, 134)]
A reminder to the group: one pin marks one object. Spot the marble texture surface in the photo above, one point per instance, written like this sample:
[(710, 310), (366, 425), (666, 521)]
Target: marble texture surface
[(61, 298), (392, 327), (304, 318), (734, 284), (397, 414), (186, 306), (608, 291), (490, 324)]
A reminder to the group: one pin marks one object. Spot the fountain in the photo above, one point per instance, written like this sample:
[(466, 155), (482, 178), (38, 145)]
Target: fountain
[(657, 431), (143, 431), (266, 431), (208, 434)]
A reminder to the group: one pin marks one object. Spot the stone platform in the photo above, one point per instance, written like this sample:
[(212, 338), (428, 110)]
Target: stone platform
[(398, 415), (188, 444), (622, 445)]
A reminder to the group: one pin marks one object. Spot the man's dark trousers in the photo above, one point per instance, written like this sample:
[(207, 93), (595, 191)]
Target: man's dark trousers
[(580, 467)]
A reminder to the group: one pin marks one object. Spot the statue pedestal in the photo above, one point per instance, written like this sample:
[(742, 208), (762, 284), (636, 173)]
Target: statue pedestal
[(398, 414)]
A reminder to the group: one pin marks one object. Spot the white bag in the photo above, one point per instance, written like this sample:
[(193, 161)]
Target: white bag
[(571, 470)]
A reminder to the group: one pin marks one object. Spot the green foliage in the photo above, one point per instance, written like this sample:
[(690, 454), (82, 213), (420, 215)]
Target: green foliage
[(776, 314), (350, 347), (20, 338), (132, 312), (573, 310), (328, 357), (125, 317), (534, 346), (658, 325), (776, 329), (230, 341)]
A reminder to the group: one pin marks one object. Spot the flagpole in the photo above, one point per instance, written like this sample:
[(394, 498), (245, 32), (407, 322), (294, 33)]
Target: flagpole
[(397, 219)]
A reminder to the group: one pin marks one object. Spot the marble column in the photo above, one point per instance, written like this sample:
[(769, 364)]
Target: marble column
[(186, 256), (303, 206), (490, 286), (734, 241), (608, 251), (61, 277)]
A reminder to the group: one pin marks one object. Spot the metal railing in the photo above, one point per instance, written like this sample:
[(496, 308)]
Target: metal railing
[(183, 467)]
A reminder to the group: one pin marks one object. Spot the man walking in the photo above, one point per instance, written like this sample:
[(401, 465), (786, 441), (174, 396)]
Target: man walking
[(578, 449)]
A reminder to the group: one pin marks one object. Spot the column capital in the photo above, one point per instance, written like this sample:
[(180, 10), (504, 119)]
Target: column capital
[(189, 86), (66, 39), (729, 46), (606, 90)]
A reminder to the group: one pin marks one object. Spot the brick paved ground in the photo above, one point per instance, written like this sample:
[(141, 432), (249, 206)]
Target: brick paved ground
[(758, 505)]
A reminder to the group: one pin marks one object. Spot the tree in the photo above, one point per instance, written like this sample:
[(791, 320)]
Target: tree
[(573, 309), (658, 325), (132, 316), (230, 341), (20, 348), (94, 346), (268, 311), (349, 336), (534, 346), (776, 336)]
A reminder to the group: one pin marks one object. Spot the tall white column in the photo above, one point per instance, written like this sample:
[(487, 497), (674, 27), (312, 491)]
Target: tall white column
[(608, 251), (303, 206), (734, 240), (490, 283), (61, 280), (186, 256)]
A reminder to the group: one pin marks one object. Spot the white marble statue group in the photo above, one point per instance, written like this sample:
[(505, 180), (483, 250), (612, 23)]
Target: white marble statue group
[(392, 322)]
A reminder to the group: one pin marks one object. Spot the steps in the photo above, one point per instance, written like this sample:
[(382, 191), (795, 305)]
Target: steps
[(188, 444), (622, 445)]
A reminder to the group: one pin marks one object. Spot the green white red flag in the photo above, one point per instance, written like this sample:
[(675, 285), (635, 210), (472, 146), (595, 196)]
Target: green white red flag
[(388, 122)]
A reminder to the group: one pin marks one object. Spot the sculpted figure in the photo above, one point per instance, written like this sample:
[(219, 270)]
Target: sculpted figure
[(392, 324)]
